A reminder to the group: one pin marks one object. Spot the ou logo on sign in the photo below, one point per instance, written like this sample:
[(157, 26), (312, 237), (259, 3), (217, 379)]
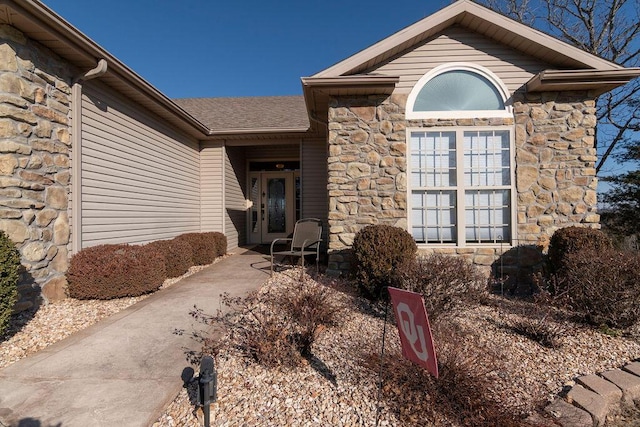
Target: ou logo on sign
[(411, 331), (413, 328)]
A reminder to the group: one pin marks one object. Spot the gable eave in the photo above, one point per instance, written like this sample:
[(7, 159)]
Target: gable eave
[(478, 19), (596, 81)]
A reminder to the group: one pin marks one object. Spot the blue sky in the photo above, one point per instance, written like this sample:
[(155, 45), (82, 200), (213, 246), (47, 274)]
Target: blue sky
[(213, 48)]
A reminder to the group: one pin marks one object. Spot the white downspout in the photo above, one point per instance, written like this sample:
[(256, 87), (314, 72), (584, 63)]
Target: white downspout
[(76, 150)]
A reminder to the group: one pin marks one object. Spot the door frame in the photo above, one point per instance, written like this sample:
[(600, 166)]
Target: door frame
[(257, 212)]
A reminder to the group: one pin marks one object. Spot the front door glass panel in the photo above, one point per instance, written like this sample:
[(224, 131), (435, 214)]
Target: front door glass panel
[(277, 205)]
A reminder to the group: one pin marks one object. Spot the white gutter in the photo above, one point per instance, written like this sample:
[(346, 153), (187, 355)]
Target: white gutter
[(76, 151)]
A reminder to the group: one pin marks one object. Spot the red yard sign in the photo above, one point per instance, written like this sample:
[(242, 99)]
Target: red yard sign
[(414, 329)]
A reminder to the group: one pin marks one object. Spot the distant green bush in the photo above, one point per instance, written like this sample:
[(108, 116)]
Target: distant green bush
[(379, 252), (9, 273)]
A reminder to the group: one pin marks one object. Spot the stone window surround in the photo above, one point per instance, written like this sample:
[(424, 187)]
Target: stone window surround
[(461, 188)]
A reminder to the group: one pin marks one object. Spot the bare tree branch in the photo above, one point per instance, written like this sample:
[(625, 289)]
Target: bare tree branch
[(609, 29)]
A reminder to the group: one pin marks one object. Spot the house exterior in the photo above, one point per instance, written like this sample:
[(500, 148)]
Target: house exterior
[(473, 132)]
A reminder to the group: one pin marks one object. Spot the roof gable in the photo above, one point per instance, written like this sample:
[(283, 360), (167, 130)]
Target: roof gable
[(479, 19)]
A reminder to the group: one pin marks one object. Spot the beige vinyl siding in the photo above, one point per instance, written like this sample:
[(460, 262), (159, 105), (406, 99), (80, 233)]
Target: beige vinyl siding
[(459, 45), (212, 186), (315, 203), (140, 178), (235, 200)]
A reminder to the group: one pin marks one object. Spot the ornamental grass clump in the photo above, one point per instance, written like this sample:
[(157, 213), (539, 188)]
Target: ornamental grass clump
[(115, 271), (379, 253), (9, 273)]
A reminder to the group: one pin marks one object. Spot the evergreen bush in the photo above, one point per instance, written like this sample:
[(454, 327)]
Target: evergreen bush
[(204, 249), (379, 253), (569, 240), (603, 285), (9, 274), (177, 255), (220, 242), (115, 271)]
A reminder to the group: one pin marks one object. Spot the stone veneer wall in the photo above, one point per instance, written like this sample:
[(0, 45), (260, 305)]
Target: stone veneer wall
[(555, 174), (34, 163)]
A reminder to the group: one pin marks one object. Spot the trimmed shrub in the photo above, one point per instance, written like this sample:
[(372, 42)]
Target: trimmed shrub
[(176, 254), (379, 251), (446, 282), (220, 241), (603, 285), (203, 249), (115, 271), (9, 270), (573, 239)]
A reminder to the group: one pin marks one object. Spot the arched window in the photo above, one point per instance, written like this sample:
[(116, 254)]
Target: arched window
[(461, 177), (458, 91)]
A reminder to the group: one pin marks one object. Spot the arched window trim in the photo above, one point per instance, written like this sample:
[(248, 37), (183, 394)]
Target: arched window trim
[(455, 66)]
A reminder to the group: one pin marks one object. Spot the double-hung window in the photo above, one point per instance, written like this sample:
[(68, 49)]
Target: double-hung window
[(460, 177), (461, 185)]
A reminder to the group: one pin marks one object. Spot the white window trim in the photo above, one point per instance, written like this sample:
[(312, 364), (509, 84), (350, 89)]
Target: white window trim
[(460, 211), (454, 66)]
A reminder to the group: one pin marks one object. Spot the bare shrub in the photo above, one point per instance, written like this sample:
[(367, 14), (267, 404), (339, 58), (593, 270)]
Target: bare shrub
[(460, 396), (310, 307), (447, 283), (601, 284), (275, 327)]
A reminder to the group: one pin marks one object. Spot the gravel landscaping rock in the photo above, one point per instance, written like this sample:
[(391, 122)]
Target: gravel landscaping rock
[(337, 385)]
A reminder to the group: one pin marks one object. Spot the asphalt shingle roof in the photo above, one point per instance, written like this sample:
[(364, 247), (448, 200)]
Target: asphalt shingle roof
[(260, 112)]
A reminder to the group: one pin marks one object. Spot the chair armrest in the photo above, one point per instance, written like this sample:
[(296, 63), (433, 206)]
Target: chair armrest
[(287, 239), (306, 245)]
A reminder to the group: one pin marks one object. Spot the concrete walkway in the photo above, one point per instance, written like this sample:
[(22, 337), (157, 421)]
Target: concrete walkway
[(122, 371)]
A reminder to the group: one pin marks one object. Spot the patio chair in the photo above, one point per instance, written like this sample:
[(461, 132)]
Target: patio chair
[(306, 240)]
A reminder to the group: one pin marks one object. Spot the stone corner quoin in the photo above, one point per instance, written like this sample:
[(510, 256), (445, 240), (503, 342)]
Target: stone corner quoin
[(35, 145)]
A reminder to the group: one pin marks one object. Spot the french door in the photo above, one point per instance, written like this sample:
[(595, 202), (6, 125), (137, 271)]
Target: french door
[(273, 205)]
